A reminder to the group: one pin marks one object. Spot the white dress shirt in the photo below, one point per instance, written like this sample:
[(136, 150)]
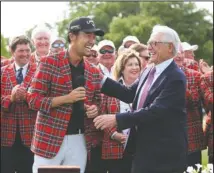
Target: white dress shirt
[(159, 69), (105, 71), (24, 71)]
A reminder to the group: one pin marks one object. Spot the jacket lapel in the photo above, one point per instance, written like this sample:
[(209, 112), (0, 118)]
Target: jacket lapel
[(12, 74), (158, 83), (65, 69), (30, 74)]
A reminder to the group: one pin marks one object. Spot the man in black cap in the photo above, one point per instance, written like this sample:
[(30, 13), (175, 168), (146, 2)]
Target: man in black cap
[(58, 92)]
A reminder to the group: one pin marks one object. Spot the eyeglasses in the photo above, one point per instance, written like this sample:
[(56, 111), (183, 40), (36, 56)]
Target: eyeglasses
[(93, 54), (103, 51), (154, 43), (57, 45)]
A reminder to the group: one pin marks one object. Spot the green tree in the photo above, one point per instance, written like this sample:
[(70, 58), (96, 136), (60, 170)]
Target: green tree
[(4, 45), (119, 19)]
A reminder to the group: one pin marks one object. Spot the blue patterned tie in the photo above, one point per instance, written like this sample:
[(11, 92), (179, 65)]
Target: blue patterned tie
[(19, 77)]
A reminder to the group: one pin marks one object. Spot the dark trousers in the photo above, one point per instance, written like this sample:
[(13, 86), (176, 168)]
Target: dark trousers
[(211, 159), (118, 165), (194, 158), (95, 164), (17, 158)]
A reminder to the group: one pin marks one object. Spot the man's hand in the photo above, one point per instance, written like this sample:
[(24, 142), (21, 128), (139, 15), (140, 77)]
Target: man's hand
[(105, 121), (120, 137), (76, 95), (13, 93), (21, 94), (204, 67), (91, 111)]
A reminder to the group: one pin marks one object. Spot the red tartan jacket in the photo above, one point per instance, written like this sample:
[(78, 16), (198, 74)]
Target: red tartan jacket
[(194, 113), (16, 111), (207, 91), (191, 64), (52, 79), (5, 62), (111, 149)]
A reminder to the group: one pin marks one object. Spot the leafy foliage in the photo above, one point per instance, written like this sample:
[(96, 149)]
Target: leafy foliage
[(119, 19), (4, 43)]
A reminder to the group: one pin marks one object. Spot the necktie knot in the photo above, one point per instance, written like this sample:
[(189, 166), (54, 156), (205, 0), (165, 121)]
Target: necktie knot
[(20, 70)]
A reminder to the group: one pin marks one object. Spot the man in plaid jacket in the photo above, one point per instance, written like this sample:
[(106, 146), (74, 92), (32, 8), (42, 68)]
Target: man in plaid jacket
[(194, 99), (57, 92), (17, 120), (207, 91)]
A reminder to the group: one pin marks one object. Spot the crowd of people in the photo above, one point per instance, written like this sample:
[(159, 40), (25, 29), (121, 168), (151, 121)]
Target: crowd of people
[(144, 107)]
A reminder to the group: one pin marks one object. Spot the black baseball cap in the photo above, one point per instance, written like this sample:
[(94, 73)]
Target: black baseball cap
[(84, 24)]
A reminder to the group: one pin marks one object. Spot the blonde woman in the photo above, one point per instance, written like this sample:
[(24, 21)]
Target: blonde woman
[(126, 70)]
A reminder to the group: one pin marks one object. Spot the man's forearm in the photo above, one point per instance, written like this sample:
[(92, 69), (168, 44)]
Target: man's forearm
[(58, 101)]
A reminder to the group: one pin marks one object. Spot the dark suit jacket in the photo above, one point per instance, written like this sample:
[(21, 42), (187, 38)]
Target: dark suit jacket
[(161, 136)]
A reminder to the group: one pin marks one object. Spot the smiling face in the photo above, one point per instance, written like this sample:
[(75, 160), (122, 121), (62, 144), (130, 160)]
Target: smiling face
[(131, 69), (158, 49), (22, 54), (41, 42), (106, 56), (189, 54), (82, 43)]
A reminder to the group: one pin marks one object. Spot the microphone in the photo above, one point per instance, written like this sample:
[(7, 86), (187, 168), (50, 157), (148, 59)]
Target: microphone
[(80, 82)]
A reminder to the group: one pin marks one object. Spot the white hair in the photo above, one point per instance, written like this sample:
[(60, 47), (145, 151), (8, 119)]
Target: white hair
[(40, 29), (170, 35)]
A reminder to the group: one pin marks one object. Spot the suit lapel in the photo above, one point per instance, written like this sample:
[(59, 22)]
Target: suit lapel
[(12, 75), (65, 69), (30, 74), (159, 82)]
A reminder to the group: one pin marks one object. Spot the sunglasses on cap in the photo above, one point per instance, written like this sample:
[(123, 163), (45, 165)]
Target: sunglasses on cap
[(57, 45), (103, 51), (93, 54)]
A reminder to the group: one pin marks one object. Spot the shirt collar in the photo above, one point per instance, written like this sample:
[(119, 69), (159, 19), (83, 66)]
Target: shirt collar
[(17, 67), (104, 69), (37, 57), (162, 66)]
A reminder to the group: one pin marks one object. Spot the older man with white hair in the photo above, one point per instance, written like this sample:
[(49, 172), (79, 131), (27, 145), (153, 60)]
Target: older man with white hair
[(189, 50), (158, 135), (41, 38)]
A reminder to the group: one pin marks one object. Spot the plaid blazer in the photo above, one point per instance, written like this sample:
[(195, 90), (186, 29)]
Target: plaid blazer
[(191, 64), (5, 62), (194, 111), (207, 91), (52, 79), (16, 111), (111, 149)]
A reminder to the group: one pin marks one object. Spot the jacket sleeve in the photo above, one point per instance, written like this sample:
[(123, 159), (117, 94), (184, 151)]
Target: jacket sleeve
[(6, 103), (119, 91), (37, 96)]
